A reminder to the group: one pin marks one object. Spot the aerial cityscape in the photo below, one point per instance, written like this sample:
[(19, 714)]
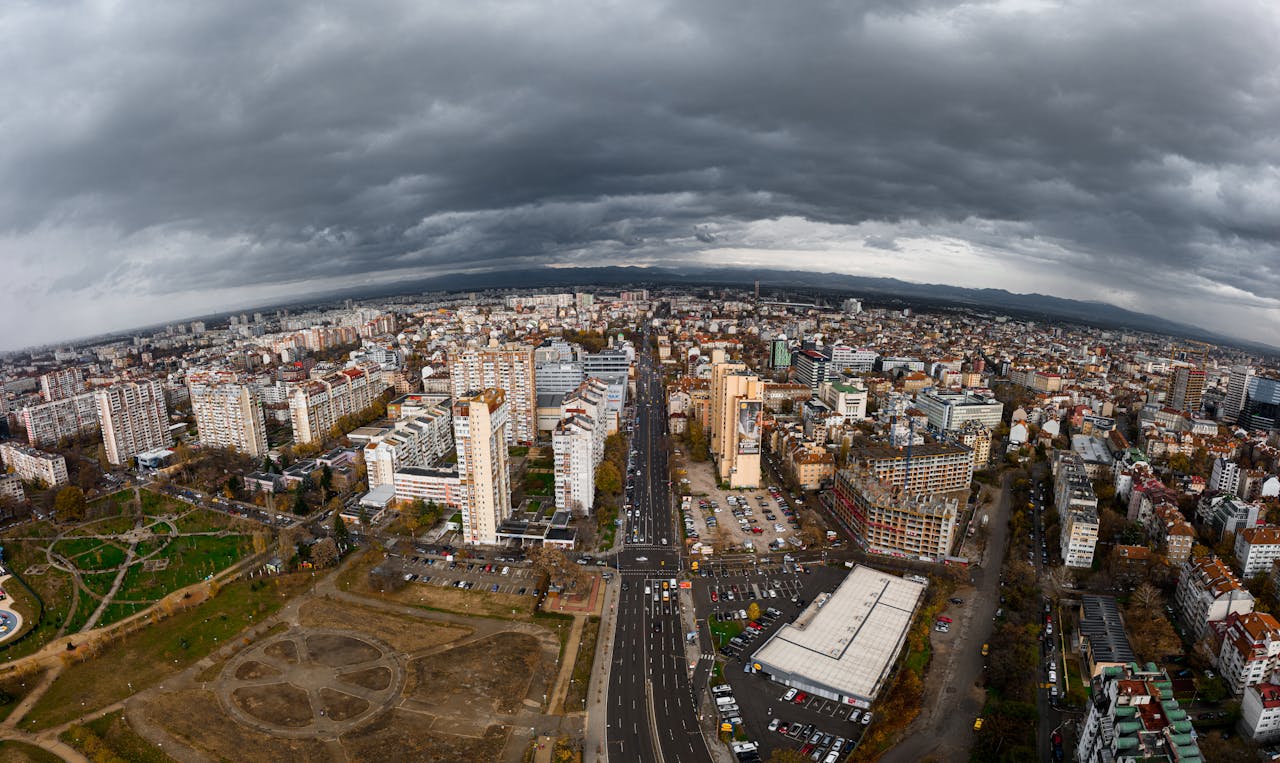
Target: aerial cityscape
[(529, 382)]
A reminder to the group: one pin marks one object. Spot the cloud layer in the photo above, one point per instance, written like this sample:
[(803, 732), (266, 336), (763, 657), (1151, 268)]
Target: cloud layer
[(165, 161)]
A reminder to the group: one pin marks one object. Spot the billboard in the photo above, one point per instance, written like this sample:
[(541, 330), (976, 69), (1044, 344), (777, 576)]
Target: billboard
[(749, 426)]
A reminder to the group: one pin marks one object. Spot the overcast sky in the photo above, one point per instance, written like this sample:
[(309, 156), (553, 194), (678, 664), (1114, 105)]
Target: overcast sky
[(162, 160)]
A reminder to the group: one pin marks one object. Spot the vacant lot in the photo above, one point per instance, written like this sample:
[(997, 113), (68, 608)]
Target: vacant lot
[(401, 736), (405, 634), (151, 654), (497, 669), (474, 602), (193, 717), (21, 752)]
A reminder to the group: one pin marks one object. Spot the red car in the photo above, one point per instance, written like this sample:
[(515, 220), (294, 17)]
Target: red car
[(784, 728), (801, 697), (808, 748), (715, 596), (755, 625), (944, 619)]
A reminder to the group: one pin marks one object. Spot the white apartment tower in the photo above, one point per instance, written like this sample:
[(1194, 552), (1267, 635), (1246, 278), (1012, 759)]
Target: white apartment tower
[(480, 424), (1237, 388), (508, 367), (578, 444), (228, 413), (420, 439), (134, 419)]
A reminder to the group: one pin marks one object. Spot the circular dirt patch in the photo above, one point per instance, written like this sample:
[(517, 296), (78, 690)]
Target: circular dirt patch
[(277, 704), (311, 683), (336, 651), (254, 670), (340, 706), (375, 679), (284, 651)]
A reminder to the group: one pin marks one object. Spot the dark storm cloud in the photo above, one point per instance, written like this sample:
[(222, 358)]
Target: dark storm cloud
[(151, 151)]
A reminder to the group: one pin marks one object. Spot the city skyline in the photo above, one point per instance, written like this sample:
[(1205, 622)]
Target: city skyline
[(250, 157)]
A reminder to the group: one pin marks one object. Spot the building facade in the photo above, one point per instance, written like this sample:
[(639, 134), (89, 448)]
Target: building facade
[(480, 424), (316, 405), (62, 384), (1209, 592), (508, 367), (134, 419), (888, 520), (1256, 549), (952, 410), (228, 413), (48, 423), (34, 465), (422, 439), (1250, 650), (1133, 716)]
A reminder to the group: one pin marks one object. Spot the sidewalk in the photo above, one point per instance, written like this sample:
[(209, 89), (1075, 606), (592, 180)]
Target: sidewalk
[(595, 734)]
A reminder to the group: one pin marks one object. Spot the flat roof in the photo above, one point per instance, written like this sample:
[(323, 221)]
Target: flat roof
[(848, 641)]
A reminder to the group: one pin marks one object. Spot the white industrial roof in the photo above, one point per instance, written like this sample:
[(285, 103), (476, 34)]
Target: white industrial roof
[(849, 643)]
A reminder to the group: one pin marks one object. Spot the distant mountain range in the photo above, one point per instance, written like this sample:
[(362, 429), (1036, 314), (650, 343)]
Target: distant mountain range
[(833, 285)]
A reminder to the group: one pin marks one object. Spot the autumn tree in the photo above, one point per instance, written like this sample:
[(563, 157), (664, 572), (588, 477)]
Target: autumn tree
[(553, 563), (324, 553), (753, 611), (608, 479), (70, 504)]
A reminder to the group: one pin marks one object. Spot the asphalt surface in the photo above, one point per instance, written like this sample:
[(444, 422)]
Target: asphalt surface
[(652, 715)]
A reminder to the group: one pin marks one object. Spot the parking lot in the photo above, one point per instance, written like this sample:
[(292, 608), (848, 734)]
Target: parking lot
[(758, 701), (729, 520), (481, 575)]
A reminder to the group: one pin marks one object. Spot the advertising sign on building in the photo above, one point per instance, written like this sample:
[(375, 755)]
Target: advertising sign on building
[(749, 426)]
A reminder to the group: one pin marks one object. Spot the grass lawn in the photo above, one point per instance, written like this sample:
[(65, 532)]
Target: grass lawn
[(111, 732), (13, 689), (1078, 692), (155, 504), (203, 520), (54, 589), (99, 582), (154, 653), (191, 559), (73, 547), (108, 526), (539, 484), (13, 751), (722, 632)]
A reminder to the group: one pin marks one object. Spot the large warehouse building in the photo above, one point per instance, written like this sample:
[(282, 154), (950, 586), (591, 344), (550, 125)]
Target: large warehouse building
[(843, 645)]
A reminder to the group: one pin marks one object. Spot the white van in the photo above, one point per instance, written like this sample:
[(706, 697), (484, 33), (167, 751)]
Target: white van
[(648, 590), (726, 699)]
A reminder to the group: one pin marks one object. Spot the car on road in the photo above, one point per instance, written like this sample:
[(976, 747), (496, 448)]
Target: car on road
[(986, 649), (866, 719), (956, 600), (977, 723)]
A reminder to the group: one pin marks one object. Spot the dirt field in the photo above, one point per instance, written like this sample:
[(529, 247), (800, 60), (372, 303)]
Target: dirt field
[(405, 634), (374, 679), (278, 704), (187, 715), (400, 736), (336, 651), (497, 669)]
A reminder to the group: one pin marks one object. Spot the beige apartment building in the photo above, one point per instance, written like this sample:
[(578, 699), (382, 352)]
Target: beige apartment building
[(737, 406), (480, 424), (508, 367), (228, 413), (134, 419)]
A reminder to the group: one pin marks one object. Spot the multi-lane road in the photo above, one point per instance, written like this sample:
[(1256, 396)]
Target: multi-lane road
[(652, 714)]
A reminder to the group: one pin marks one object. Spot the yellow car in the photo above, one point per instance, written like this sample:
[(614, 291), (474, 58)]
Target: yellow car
[(985, 650), (977, 724)]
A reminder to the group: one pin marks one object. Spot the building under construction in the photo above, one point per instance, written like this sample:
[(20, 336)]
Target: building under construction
[(886, 519)]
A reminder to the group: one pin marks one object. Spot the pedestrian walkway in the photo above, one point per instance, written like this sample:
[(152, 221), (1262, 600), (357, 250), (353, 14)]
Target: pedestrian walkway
[(596, 728)]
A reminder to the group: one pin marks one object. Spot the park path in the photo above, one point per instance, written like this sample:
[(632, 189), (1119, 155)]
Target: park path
[(561, 686), (115, 586)]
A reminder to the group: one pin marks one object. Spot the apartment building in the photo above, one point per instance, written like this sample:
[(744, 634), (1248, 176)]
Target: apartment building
[(578, 444), (952, 410), (846, 399), (508, 367), (737, 408), (1256, 549), (888, 520), (811, 368), (1039, 381), (1208, 592), (1173, 535), (33, 465), (613, 367), (1132, 716), (134, 419), (421, 439), (1186, 388), (480, 424), (48, 423), (11, 487), (316, 405), (924, 468), (976, 437), (1250, 650), (429, 484), (228, 413), (1228, 514), (1260, 711), (809, 464), (62, 384), (1078, 508), (1237, 388)]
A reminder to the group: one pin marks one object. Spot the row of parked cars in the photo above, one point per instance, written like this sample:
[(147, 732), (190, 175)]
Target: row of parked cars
[(818, 746)]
